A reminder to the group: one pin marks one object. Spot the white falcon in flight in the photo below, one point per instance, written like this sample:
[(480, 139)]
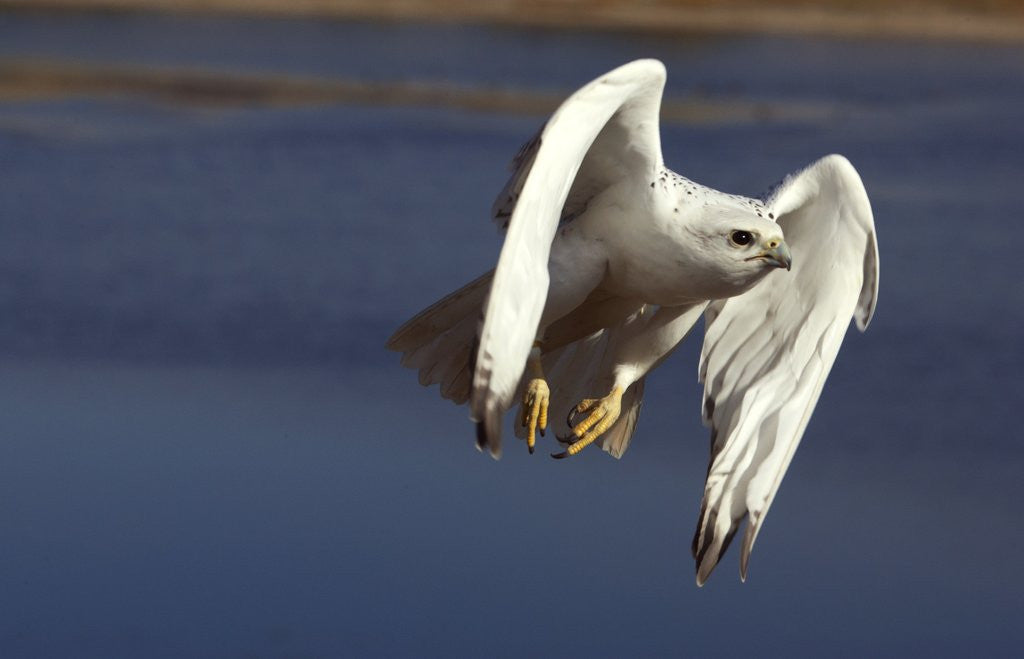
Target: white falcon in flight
[(609, 260)]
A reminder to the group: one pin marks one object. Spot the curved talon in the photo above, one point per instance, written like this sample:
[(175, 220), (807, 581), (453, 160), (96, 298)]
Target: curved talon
[(584, 405), (603, 413), (560, 456)]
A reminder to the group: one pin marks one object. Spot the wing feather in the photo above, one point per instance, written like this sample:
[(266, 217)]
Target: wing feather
[(768, 352), (606, 131)]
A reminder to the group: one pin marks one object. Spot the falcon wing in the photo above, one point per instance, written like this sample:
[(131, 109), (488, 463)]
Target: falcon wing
[(603, 133), (767, 352)]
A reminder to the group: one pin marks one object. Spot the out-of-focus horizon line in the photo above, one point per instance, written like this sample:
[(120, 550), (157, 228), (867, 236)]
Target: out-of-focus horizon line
[(960, 20), (26, 79)]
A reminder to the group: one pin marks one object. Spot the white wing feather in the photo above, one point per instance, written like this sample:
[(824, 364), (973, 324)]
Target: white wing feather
[(767, 352), (605, 131)]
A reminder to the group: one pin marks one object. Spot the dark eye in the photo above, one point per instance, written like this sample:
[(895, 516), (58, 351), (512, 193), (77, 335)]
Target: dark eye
[(741, 237)]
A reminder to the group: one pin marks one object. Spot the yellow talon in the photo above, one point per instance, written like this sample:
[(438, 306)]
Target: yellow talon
[(603, 413), (535, 400), (535, 410)]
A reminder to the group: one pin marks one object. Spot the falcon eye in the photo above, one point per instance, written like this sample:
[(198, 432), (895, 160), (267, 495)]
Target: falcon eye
[(741, 237)]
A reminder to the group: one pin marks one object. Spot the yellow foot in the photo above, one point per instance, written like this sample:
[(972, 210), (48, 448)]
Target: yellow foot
[(535, 410), (603, 413)]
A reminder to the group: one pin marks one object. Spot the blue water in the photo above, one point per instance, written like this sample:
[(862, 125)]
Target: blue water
[(206, 451)]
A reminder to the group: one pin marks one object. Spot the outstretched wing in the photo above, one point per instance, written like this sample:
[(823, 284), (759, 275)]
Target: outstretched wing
[(606, 131), (767, 352)]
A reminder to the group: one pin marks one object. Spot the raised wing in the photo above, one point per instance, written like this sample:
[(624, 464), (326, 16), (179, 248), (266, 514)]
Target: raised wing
[(767, 352), (604, 132)]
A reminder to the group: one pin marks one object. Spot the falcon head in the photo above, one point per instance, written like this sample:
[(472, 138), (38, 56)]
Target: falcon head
[(740, 250)]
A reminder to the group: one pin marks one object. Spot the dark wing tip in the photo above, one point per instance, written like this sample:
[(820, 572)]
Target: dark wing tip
[(488, 435), (481, 435), (707, 563)]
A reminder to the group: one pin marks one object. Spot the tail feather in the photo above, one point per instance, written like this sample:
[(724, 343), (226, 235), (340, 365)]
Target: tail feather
[(441, 316), (615, 440), (438, 341), (457, 389)]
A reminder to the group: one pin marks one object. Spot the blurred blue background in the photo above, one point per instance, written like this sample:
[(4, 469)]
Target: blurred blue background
[(206, 450)]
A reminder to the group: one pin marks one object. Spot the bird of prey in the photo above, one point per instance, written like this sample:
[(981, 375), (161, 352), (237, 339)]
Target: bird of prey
[(608, 261)]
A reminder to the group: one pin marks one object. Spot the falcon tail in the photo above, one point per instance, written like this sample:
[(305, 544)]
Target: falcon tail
[(438, 341)]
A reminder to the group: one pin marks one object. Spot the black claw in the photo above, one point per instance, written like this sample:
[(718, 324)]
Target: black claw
[(560, 456), (531, 450), (541, 432)]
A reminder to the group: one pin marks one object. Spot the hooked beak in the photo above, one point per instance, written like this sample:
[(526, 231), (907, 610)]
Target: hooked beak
[(777, 254)]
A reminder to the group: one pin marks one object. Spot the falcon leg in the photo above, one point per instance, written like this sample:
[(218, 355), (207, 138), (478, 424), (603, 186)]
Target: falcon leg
[(535, 400), (603, 413)]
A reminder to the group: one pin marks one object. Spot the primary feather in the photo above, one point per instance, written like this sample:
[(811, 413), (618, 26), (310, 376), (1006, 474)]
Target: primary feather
[(767, 353)]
